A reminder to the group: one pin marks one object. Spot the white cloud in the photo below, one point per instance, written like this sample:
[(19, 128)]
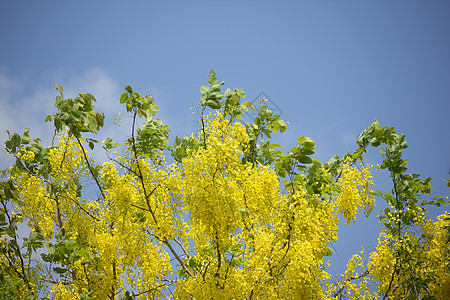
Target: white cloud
[(21, 108), (19, 112)]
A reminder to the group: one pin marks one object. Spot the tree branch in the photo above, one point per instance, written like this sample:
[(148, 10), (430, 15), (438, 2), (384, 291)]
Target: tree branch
[(17, 250), (366, 272), (167, 243), (390, 282), (141, 177)]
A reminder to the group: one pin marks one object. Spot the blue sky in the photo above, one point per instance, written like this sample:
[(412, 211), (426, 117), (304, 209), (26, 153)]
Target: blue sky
[(330, 66)]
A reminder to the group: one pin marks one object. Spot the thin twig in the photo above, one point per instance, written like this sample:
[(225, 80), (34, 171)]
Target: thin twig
[(366, 272), (123, 166), (137, 206), (206, 269), (204, 133), (167, 243), (90, 168), (182, 247)]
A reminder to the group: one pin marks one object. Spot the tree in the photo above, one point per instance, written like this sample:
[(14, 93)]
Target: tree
[(231, 218)]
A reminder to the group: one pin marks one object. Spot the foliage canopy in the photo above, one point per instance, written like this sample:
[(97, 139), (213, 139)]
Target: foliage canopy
[(232, 218)]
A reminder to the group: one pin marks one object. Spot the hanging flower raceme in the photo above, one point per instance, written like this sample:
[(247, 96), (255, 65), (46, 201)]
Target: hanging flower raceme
[(356, 192)]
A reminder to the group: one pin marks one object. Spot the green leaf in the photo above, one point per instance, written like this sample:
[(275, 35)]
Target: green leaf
[(441, 201), (100, 119), (236, 261), (60, 270), (309, 145), (148, 99), (204, 89), (57, 100), (213, 104), (11, 231), (282, 125), (128, 89), (306, 151), (378, 132), (215, 96), (236, 248), (304, 159), (91, 97), (51, 249), (212, 79), (192, 262), (109, 144), (123, 97), (94, 171), (301, 139)]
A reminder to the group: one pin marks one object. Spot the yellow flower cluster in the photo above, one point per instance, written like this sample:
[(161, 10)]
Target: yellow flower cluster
[(62, 292), (66, 160), (426, 258), (284, 239), (242, 236), (437, 254), (39, 208), (26, 155), (212, 188), (356, 192), (127, 251), (382, 262)]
